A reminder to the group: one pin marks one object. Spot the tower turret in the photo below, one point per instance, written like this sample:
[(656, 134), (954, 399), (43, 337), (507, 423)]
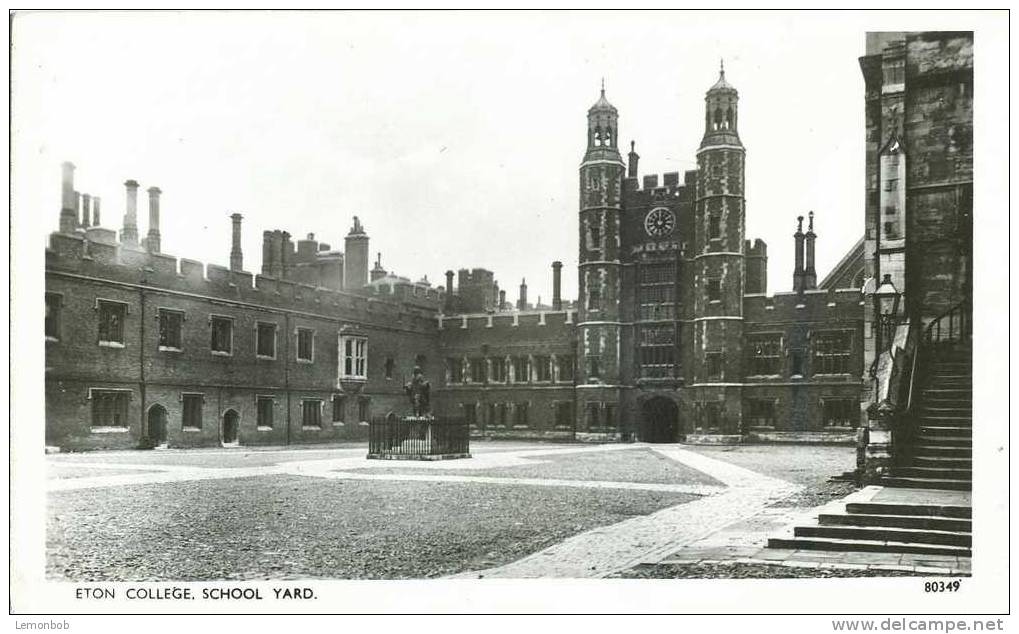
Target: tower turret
[(719, 256), (598, 318)]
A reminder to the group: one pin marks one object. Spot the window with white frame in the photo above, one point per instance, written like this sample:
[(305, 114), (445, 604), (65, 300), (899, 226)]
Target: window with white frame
[(111, 322), (339, 408), (764, 354), (305, 344), (171, 324), (109, 408), (191, 408), (354, 357), (265, 340), (542, 368), (832, 352), (311, 413), (498, 369), (222, 334), (54, 306), (265, 406)]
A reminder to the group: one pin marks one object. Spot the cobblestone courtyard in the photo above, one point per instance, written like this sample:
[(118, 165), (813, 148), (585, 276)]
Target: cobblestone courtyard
[(514, 510)]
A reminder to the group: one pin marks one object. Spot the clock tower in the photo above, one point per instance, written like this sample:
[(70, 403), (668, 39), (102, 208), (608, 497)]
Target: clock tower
[(598, 318), (718, 256)]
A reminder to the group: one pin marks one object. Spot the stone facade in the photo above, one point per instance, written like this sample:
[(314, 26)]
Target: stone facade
[(672, 335)]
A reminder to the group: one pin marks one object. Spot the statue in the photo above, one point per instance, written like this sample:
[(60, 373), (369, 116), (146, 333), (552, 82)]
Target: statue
[(417, 389)]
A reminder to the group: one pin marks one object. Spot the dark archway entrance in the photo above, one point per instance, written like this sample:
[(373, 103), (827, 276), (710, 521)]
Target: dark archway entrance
[(155, 426), (231, 424), (659, 421)]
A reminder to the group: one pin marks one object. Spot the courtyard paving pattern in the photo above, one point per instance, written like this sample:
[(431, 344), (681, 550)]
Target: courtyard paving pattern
[(514, 510)]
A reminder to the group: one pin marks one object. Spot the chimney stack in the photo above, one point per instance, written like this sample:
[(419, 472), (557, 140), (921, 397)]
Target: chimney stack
[(236, 254), (286, 255), (129, 234), (522, 302), (355, 253), (68, 215), (95, 211), (631, 170), (798, 271), (557, 285), (502, 300), (152, 242), (86, 211), (77, 211), (267, 253), (809, 274)]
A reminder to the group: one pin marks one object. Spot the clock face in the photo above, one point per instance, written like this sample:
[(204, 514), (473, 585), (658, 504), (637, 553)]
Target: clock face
[(659, 222)]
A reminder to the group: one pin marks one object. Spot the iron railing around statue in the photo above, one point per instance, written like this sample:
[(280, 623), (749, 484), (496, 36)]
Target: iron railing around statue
[(418, 438)]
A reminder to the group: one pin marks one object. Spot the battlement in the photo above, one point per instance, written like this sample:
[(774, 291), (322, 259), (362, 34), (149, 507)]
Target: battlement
[(552, 328), (670, 185), (812, 305), (120, 264)]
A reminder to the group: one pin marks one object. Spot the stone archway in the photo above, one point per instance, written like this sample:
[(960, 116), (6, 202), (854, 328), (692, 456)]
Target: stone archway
[(155, 426), (659, 420), (231, 428)]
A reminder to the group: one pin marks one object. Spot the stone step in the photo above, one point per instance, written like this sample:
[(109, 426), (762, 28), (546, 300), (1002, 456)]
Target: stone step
[(942, 461), (856, 545), (943, 441), (915, 510), (962, 396), (946, 421), (898, 521), (926, 429), (938, 450), (937, 473), (886, 534), (927, 483)]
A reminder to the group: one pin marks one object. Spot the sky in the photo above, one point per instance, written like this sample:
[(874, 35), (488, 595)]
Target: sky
[(455, 137)]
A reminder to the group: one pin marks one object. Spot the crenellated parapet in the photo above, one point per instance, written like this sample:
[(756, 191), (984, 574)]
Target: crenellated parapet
[(119, 264)]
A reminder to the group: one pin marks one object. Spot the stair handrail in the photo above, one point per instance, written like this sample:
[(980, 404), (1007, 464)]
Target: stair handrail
[(960, 313)]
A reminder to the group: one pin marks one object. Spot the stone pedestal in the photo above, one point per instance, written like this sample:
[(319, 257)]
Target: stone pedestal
[(875, 448)]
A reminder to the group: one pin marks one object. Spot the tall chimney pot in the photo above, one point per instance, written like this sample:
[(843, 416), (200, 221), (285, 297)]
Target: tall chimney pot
[(557, 285), (152, 241), (236, 254), (68, 215), (129, 234)]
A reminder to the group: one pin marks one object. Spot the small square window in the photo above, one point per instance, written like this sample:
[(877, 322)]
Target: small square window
[(714, 289), (714, 227), (713, 365), (109, 408), (390, 367), (311, 413)]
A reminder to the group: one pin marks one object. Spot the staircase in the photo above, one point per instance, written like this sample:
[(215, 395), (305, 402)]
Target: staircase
[(941, 451), (919, 529)]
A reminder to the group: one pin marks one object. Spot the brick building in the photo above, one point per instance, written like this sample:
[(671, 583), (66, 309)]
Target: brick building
[(672, 336)]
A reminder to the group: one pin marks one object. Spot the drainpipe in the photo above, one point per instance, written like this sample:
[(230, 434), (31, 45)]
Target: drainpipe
[(141, 360), (286, 369)]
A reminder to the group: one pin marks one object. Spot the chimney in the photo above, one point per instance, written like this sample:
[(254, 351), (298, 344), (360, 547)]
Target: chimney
[(798, 271), (286, 255), (377, 272), (129, 234), (631, 170), (557, 285), (276, 261), (152, 242), (502, 300), (86, 211), (236, 254), (267, 253), (68, 215), (355, 266), (449, 283), (809, 274), (522, 302), (95, 211), (77, 211)]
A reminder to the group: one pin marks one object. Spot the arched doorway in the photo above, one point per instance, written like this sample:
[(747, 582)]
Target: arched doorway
[(231, 425), (659, 421), (155, 426)]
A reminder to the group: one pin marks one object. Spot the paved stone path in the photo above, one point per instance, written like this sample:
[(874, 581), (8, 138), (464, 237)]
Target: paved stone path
[(603, 551)]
